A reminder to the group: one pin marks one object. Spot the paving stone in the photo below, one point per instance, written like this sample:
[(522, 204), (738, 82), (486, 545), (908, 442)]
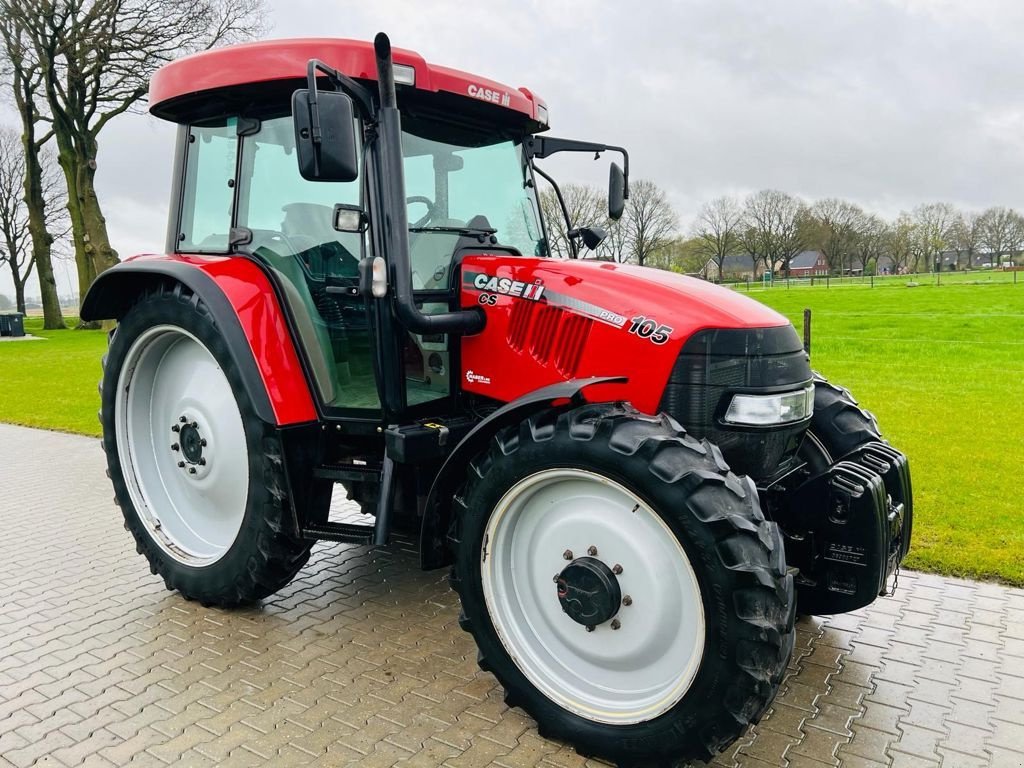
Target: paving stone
[(360, 660)]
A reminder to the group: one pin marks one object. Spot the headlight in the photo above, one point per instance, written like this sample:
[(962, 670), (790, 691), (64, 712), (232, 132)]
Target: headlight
[(771, 410)]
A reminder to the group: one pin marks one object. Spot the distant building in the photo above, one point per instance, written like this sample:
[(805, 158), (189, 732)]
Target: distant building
[(808, 264), (738, 266)]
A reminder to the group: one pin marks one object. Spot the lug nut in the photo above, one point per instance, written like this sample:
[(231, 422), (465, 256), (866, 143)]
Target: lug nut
[(191, 470), (181, 464), (175, 428), (616, 624), (555, 577), (616, 569), (195, 425), (202, 442), (567, 555), (175, 447), (592, 550), (590, 627), (182, 419), (627, 600), (202, 462)]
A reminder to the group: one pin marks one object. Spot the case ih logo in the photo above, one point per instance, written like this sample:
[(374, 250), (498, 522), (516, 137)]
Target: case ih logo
[(476, 378), (486, 94), (506, 286)]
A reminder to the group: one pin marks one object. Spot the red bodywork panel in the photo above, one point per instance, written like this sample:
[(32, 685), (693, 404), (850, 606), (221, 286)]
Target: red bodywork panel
[(270, 60), (249, 291), (552, 320)]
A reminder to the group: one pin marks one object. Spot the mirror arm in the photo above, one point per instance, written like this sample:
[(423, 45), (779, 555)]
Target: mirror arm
[(545, 146), (360, 94), (565, 210)]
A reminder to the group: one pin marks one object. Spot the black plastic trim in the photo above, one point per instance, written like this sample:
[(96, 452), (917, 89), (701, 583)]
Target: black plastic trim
[(115, 291), (437, 515)]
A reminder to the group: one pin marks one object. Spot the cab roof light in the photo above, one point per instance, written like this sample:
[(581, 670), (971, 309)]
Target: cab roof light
[(405, 74)]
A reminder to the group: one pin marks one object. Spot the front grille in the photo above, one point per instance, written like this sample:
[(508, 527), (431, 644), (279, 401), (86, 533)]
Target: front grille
[(716, 363)]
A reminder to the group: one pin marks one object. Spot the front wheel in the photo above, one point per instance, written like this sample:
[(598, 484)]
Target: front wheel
[(622, 584), (199, 478)]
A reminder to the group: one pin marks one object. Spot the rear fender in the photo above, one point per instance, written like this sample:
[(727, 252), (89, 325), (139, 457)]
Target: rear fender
[(434, 552), (242, 302)]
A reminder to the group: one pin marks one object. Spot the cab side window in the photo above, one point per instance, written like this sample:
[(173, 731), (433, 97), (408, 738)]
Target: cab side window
[(208, 193)]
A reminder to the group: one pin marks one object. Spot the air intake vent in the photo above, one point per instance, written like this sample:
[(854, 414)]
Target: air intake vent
[(556, 337), (542, 336), (519, 324), (572, 337)]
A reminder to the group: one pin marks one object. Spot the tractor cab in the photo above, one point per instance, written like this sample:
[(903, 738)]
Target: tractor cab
[(255, 181)]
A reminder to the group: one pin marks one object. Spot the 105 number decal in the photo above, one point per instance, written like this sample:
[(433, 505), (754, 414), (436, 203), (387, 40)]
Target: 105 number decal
[(649, 328)]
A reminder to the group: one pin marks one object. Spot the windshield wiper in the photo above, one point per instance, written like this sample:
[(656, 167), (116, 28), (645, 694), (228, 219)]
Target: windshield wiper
[(457, 230)]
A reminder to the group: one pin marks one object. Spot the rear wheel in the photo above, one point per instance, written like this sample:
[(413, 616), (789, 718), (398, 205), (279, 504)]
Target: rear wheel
[(622, 584), (199, 478)]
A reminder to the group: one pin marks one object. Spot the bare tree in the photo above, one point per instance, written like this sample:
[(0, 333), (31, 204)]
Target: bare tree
[(649, 220), (95, 58), (16, 245), (967, 237), (23, 76), (869, 243), (585, 206), (900, 242), (835, 227), (773, 229), (1001, 232), (717, 230), (16, 249), (934, 224)]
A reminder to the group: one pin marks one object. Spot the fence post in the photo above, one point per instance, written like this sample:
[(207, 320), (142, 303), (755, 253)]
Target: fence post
[(827, 278), (807, 331), (872, 280)]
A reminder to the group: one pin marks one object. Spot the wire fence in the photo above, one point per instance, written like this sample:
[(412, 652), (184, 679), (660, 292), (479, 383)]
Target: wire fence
[(973, 277)]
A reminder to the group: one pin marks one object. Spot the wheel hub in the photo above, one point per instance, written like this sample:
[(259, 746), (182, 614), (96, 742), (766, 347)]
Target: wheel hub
[(191, 443), (588, 591)]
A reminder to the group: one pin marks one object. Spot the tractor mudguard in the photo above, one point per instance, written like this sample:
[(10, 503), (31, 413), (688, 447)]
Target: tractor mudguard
[(245, 308), (434, 551)]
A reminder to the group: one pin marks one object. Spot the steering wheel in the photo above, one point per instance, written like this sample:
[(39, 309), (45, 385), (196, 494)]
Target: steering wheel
[(430, 209)]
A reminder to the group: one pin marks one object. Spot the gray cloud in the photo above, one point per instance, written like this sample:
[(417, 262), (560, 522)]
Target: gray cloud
[(887, 103)]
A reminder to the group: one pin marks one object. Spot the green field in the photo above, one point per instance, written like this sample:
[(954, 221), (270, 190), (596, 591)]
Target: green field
[(941, 367), (52, 383)]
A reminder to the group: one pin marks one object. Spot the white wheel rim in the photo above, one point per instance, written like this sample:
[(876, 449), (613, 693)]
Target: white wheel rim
[(191, 498), (618, 676)]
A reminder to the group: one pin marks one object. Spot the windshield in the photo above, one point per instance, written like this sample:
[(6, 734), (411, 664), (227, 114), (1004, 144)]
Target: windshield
[(456, 193)]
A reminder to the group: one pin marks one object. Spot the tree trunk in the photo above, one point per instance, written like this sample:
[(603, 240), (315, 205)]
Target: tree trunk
[(35, 201), (93, 252)]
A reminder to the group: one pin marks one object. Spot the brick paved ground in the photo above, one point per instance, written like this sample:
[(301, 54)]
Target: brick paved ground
[(360, 661)]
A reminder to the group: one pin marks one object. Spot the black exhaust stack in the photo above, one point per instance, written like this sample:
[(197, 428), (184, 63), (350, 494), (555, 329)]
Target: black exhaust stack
[(396, 222)]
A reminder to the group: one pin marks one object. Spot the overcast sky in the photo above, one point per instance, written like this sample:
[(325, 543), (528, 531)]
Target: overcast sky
[(889, 104)]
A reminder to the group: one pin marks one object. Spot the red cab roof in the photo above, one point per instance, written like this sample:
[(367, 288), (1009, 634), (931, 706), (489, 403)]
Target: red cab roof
[(270, 60)]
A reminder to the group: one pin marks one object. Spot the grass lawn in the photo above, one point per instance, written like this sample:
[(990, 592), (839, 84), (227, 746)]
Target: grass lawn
[(941, 367), (52, 383)]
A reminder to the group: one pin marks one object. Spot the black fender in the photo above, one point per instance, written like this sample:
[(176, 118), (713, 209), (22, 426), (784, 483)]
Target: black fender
[(115, 290), (434, 552)]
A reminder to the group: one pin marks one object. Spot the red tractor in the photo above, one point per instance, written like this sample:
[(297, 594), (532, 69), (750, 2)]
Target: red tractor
[(635, 476)]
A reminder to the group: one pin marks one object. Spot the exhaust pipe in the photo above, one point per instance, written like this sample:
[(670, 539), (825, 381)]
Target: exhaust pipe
[(396, 222)]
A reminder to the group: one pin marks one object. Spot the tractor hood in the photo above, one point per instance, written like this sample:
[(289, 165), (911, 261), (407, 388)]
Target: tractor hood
[(629, 290), (557, 320)]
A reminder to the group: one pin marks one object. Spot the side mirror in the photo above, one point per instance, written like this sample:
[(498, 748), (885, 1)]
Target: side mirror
[(616, 193), (325, 136), (591, 236)]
